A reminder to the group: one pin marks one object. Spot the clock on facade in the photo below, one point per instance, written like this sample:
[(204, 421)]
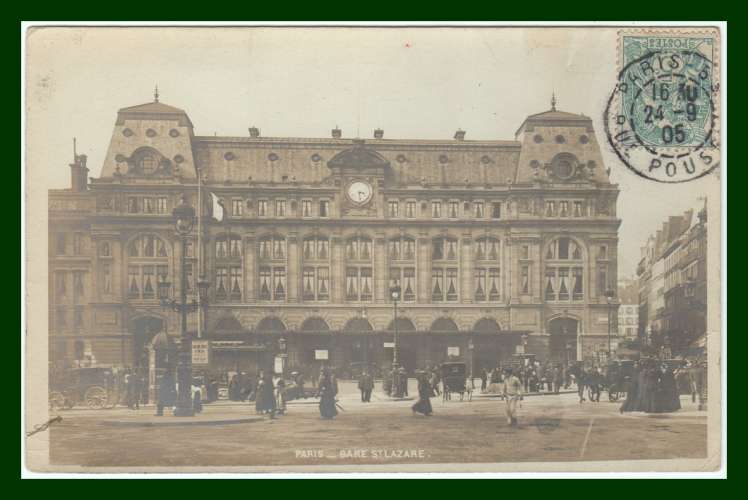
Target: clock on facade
[(359, 192)]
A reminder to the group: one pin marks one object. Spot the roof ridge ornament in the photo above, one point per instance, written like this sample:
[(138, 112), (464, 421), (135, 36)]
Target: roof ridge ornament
[(155, 93), (553, 101)]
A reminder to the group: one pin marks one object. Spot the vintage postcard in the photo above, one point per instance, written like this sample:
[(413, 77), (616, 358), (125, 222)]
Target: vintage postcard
[(300, 249)]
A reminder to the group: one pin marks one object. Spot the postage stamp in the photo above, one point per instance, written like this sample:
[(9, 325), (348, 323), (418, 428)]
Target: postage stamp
[(662, 117)]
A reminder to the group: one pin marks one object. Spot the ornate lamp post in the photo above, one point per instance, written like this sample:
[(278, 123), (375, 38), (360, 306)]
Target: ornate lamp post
[(609, 294), (395, 294), (184, 220)]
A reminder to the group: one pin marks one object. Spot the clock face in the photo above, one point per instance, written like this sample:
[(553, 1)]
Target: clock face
[(359, 192)]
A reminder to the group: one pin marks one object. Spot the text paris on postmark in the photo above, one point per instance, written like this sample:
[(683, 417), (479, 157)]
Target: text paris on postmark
[(662, 118)]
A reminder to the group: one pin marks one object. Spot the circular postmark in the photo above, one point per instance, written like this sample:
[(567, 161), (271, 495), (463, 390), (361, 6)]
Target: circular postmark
[(660, 118)]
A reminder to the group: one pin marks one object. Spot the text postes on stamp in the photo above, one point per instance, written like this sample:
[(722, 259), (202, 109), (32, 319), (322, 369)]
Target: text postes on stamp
[(662, 117)]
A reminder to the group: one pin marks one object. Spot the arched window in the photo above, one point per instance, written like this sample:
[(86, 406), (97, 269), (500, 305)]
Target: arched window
[(444, 270), (147, 265), (564, 271), (401, 252), (228, 280), (444, 325), (487, 271), (315, 251), (272, 255), (314, 324), (358, 273), (270, 324)]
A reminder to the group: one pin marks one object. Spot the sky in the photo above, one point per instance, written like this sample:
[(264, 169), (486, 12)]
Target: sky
[(415, 83)]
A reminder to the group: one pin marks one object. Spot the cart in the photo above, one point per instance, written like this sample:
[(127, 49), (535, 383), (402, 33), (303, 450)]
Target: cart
[(617, 378), (454, 379), (80, 386)]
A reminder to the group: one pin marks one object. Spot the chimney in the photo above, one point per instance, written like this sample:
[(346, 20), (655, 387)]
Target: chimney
[(460, 135), (337, 133), (79, 174), (254, 132), (378, 133)]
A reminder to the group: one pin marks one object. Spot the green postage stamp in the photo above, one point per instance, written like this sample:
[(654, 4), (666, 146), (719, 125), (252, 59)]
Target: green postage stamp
[(662, 118)]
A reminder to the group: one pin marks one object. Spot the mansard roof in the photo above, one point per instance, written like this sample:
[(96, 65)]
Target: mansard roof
[(153, 111)]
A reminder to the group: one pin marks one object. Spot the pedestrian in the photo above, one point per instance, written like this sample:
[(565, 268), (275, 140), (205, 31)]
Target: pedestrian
[(512, 392), (280, 396), (631, 383), (403, 377), (594, 381), (165, 393), (435, 382), (197, 399), (667, 399), (265, 395), (365, 385), (423, 405), (558, 379), (327, 391), (581, 383), (483, 380), (133, 392)]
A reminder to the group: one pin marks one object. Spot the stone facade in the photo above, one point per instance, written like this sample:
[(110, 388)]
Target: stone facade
[(494, 243)]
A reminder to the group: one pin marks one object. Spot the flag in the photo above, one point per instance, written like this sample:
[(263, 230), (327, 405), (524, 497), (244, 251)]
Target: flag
[(217, 207)]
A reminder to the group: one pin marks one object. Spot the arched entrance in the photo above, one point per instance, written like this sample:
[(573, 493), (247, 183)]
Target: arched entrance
[(562, 345), (144, 329), (355, 346)]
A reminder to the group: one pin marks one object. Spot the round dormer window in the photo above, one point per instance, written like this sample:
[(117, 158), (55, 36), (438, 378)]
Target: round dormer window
[(120, 158), (273, 157), (560, 139), (401, 159), (583, 139), (485, 159), (178, 159), (174, 132), (443, 159), (538, 138), (229, 156), (128, 133), (316, 158), (564, 166), (150, 132)]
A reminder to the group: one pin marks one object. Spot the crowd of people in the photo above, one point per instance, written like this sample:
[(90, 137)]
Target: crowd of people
[(651, 388)]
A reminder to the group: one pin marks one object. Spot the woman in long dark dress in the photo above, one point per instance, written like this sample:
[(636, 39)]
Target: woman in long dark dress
[(423, 405), (327, 392), (652, 382), (668, 399), (632, 391)]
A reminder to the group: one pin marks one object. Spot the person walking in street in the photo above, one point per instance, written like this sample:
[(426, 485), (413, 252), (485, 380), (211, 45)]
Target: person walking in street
[(166, 394), (327, 392), (133, 393), (423, 405), (365, 385), (582, 378), (483, 380), (631, 384), (265, 399), (512, 392), (558, 379), (280, 396)]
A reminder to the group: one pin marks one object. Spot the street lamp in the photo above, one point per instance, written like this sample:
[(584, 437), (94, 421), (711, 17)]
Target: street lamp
[(184, 220), (395, 294), (609, 294)]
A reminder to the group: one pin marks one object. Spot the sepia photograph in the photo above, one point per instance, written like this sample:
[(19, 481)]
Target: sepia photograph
[(374, 250)]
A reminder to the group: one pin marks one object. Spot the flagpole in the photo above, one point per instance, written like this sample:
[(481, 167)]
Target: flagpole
[(199, 249)]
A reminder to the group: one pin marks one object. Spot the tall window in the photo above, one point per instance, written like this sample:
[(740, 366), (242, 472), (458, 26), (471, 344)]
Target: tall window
[(60, 243), (324, 208), (147, 264), (496, 210), (161, 205), (262, 208), (237, 207), (77, 244), (410, 209), (436, 209), (358, 274), (280, 208), (577, 209), (563, 208), (306, 208), (564, 274), (454, 209), (272, 275), (487, 270), (393, 208), (402, 256), (550, 208), (228, 283), (478, 206), (316, 272), (149, 205), (444, 273)]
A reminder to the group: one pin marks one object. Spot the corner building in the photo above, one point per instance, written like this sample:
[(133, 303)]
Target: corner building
[(490, 241)]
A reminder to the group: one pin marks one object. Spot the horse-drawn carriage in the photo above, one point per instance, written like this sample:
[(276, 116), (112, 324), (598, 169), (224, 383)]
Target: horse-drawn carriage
[(80, 385), (617, 378), (455, 379)]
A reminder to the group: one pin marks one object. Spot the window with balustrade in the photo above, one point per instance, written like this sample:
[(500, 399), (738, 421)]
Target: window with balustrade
[(272, 255), (564, 271), (315, 252), (487, 270), (147, 265), (401, 254), (444, 269), (358, 272), (229, 285)]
